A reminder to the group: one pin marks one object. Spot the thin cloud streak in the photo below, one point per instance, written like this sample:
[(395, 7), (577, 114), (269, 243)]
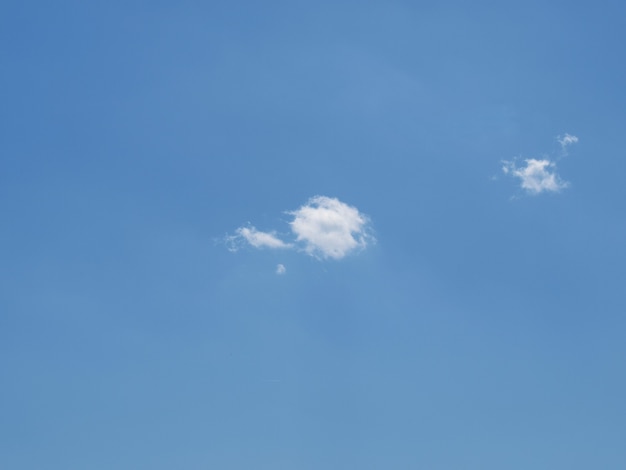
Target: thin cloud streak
[(255, 238)]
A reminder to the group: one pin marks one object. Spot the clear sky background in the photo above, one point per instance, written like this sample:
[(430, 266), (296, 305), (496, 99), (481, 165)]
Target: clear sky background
[(479, 324)]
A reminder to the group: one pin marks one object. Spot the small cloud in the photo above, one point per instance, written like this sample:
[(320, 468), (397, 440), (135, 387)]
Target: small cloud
[(324, 228), (539, 175), (254, 237), (536, 176), (281, 269), (566, 141), (329, 228)]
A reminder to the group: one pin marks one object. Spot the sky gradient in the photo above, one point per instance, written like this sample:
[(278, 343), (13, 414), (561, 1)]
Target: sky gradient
[(312, 235)]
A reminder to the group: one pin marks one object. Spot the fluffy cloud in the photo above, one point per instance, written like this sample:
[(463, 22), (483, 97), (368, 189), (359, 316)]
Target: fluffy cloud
[(539, 175), (536, 176), (324, 228), (280, 269), (329, 228)]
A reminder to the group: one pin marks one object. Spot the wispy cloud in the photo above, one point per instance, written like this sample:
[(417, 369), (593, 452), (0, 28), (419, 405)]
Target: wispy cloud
[(536, 176), (254, 237), (540, 175), (280, 269), (324, 228), (566, 141)]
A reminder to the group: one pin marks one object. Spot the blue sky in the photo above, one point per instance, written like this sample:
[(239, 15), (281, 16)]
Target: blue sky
[(460, 304)]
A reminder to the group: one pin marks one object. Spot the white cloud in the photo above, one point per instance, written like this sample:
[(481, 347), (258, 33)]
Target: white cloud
[(566, 140), (539, 175), (280, 269), (256, 238), (329, 228), (536, 176), (324, 228)]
